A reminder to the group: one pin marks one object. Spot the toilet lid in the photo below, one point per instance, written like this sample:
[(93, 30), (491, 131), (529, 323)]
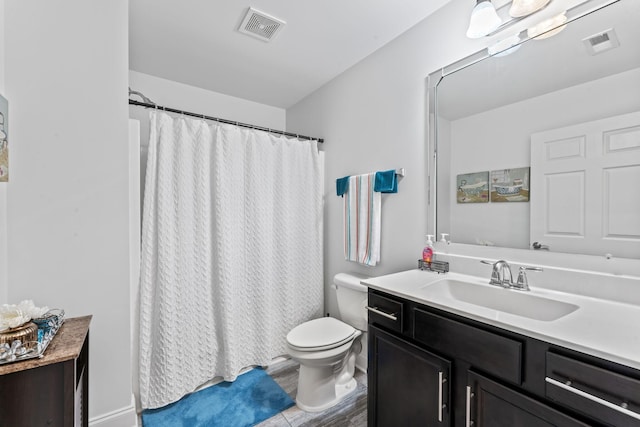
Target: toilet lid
[(322, 333)]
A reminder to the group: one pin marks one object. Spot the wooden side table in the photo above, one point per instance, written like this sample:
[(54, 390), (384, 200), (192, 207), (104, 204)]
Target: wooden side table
[(52, 390)]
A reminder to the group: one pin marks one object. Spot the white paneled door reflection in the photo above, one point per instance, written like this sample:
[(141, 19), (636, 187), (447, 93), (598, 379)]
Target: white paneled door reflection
[(584, 187)]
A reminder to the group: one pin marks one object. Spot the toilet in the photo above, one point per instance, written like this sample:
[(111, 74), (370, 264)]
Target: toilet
[(327, 348)]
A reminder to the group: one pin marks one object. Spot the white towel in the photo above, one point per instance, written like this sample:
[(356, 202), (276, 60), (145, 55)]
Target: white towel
[(362, 221)]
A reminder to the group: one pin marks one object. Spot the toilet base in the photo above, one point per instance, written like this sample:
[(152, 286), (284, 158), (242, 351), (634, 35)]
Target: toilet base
[(326, 375), (321, 386), (341, 391)]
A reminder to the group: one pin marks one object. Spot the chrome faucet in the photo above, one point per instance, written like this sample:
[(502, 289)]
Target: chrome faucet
[(501, 273)]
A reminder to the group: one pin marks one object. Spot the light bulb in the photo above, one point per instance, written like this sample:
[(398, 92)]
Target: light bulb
[(484, 19), (549, 27), (505, 47), (520, 8)]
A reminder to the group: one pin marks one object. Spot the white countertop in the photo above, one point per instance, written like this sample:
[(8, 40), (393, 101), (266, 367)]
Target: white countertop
[(602, 328)]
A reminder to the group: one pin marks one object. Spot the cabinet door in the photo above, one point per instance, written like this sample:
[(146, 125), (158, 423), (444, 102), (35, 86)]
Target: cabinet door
[(490, 404), (408, 386)]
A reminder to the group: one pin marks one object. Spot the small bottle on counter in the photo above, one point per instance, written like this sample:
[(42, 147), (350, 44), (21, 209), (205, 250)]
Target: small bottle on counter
[(427, 252), (444, 238)]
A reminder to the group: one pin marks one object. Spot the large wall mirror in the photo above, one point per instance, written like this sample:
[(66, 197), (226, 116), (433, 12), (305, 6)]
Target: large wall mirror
[(540, 148)]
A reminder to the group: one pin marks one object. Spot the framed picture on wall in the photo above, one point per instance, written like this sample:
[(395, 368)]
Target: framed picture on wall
[(4, 139), (510, 185), (472, 187)]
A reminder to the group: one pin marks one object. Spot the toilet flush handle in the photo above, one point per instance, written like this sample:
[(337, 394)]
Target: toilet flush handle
[(376, 310)]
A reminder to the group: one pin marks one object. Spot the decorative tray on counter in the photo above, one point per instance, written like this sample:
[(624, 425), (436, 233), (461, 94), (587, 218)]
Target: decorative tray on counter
[(437, 266), (19, 349)]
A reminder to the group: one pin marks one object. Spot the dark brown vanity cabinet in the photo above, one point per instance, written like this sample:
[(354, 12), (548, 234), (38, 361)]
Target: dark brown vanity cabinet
[(603, 394), (412, 380), (429, 367), (491, 404)]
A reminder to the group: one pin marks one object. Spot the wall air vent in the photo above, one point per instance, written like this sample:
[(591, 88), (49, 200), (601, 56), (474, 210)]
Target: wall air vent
[(260, 25), (601, 42)]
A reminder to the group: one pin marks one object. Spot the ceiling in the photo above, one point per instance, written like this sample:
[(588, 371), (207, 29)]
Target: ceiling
[(197, 42)]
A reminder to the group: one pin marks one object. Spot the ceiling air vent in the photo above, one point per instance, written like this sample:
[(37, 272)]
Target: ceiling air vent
[(260, 25), (601, 42)]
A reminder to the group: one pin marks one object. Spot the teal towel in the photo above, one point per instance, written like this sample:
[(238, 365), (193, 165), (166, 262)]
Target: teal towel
[(386, 182), (342, 185)]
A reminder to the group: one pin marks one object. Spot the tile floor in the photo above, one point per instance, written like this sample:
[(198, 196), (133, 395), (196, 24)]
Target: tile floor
[(351, 412)]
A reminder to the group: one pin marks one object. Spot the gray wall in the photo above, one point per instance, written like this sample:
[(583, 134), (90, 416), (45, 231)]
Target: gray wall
[(67, 202), (373, 118)]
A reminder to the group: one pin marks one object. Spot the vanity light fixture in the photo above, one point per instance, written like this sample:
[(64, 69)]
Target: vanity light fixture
[(549, 27), (505, 46), (520, 8), (484, 19)]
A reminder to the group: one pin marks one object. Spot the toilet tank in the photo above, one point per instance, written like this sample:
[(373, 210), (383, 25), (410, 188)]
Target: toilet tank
[(352, 299)]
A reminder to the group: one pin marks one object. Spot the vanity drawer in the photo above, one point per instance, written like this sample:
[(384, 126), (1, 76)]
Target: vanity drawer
[(498, 355), (387, 312), (605, 395)]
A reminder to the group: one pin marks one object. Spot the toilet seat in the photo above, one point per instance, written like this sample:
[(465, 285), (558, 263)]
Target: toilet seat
[(320, 334)]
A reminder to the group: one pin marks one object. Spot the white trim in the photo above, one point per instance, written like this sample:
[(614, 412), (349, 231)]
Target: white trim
[(135, 215), (124, 417)]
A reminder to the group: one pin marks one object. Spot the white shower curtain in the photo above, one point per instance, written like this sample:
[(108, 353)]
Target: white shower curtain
[(231, 252)]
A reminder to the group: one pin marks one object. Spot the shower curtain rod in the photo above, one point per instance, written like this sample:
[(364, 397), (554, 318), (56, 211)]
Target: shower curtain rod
[(217, 119)]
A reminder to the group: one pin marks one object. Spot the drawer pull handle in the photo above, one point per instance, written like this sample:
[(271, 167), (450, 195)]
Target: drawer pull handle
[(593, 398), (376, 310), (468, 423), (441, 381)]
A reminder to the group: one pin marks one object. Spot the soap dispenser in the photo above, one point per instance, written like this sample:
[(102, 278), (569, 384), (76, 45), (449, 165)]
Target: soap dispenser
[(427, 252)]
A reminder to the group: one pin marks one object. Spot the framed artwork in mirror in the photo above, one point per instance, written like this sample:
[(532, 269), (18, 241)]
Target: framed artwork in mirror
[(510, 185), (472, 187)]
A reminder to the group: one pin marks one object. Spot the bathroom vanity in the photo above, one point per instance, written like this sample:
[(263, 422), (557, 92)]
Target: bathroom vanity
[(442, 355), (52, 390)]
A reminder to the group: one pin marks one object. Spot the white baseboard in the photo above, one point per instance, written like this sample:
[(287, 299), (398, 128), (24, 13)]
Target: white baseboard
[(125, 417)]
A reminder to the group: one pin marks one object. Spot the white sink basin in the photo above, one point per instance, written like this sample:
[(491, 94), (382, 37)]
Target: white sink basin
[(520, 303)]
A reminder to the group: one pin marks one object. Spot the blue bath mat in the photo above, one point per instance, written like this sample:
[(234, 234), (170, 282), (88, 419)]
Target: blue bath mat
[(251, 398)]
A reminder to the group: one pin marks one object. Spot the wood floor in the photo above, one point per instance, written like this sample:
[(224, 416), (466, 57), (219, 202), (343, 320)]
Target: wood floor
[(351, 412)]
